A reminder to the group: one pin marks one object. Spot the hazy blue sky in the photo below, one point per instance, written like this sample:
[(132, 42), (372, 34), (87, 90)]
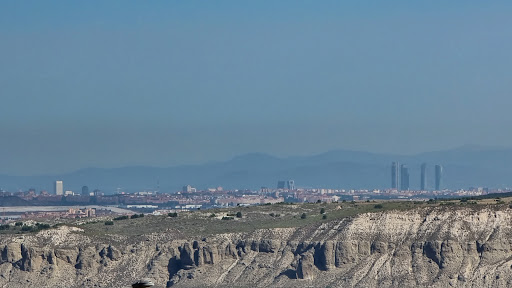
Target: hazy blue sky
[(115, 83)]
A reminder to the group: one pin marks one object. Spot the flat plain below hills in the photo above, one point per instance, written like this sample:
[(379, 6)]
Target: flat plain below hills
[(204, 223)]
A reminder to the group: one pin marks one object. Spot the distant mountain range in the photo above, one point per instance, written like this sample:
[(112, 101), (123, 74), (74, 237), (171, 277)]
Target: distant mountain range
[(463, 167)]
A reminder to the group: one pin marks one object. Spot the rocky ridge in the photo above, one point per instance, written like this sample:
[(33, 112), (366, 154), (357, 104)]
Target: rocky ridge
[(438, 247)]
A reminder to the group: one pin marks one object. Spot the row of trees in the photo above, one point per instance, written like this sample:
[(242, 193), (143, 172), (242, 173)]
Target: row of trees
[(27, 228)]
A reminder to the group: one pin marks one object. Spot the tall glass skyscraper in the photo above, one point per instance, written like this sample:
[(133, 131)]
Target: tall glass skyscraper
[(423, 180), (404, 178), (439, 177), (394, 175)]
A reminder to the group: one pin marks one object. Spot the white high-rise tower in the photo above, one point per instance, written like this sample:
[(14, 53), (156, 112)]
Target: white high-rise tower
[(59, 187)]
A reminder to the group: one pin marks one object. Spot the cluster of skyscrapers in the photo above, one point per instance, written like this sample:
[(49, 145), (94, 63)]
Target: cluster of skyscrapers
[(400, 177), (290, 184)]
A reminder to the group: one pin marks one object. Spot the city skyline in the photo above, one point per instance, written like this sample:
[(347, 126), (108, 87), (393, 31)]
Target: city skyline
[(400, 177), (468, 167), (399, 174)]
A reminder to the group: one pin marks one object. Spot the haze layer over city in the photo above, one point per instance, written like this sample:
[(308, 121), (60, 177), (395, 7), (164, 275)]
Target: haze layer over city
[(108, 85)]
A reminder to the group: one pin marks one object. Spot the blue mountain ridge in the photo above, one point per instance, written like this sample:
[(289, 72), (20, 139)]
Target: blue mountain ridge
[(463, 167)]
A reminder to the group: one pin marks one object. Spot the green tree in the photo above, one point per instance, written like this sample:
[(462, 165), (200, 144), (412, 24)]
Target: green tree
[(303, 216), (26, 228)]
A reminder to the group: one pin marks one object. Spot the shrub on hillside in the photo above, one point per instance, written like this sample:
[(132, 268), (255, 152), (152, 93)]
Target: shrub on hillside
[(135, 216)]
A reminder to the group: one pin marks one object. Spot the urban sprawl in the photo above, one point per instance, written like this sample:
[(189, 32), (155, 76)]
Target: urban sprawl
[(190, 198)]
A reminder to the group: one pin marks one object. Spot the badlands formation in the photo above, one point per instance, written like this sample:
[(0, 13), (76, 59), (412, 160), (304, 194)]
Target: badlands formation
[(439, 246)]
